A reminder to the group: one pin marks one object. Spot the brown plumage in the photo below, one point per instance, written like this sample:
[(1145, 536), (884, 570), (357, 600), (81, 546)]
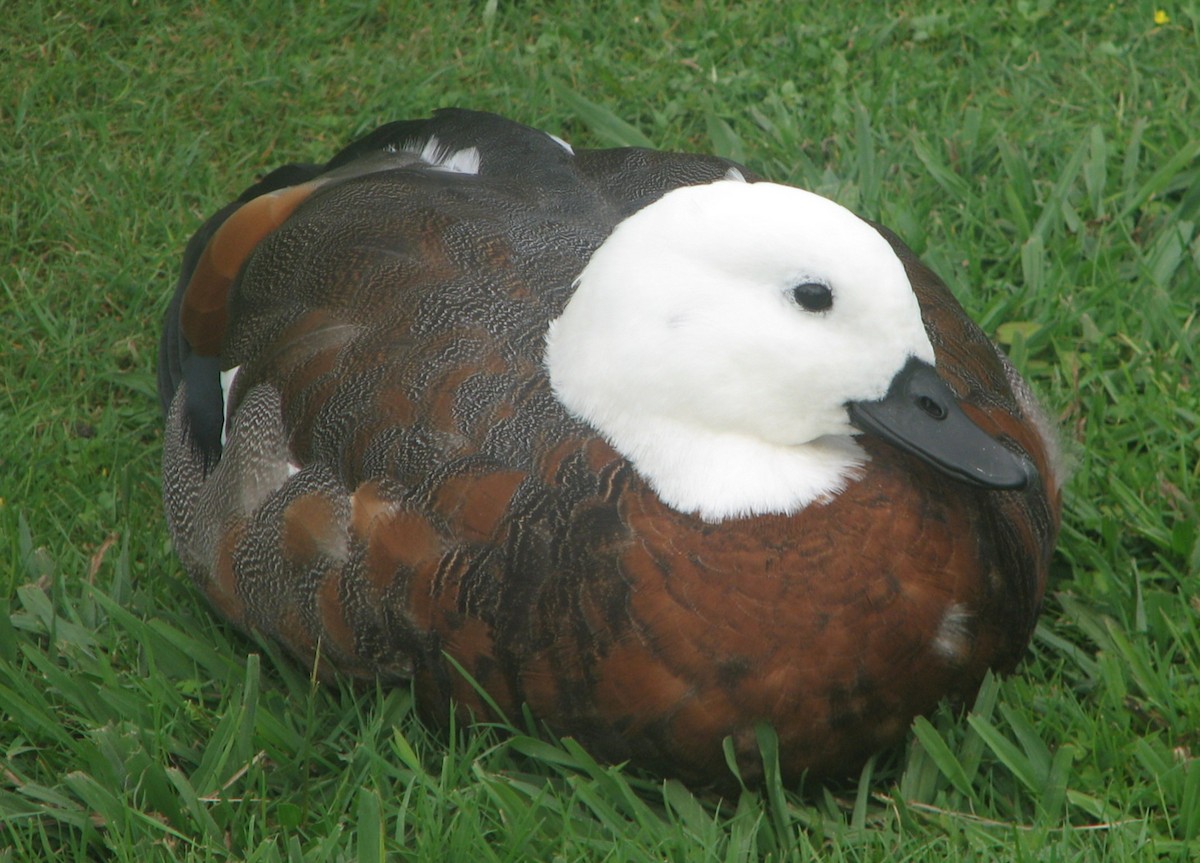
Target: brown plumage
[(401, 486)]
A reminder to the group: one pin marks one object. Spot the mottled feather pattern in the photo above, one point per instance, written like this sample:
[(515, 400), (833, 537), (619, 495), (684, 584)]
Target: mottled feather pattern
[(400, 485)]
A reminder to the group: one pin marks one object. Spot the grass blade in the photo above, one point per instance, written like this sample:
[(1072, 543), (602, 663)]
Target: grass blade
[(369, 827), (610, 129)]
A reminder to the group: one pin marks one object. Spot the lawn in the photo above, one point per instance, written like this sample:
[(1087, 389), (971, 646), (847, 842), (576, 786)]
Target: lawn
[(1043, 158)]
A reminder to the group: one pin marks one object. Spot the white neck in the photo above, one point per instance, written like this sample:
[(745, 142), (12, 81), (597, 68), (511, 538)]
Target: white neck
[(722, 476)]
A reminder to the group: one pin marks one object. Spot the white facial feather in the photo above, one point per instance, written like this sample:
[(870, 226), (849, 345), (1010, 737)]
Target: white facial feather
[(684, 346)]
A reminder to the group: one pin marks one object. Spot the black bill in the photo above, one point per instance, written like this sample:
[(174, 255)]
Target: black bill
[(920, 415)]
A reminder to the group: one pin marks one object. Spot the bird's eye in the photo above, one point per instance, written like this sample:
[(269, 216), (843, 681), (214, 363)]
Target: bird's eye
[(813, 296)]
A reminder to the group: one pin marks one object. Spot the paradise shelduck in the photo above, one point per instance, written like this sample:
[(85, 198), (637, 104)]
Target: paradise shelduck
[(656, 448)]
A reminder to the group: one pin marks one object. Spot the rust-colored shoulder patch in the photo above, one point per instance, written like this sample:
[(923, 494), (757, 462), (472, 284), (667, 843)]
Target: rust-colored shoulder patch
[(202, 314)]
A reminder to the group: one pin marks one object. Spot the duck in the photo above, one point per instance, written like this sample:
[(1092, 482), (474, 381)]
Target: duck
[(637, 441)]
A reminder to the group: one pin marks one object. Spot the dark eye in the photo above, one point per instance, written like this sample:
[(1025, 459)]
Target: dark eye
[(813, 296)]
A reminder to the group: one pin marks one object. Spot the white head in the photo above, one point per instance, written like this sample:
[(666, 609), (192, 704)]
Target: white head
[(692, 344)]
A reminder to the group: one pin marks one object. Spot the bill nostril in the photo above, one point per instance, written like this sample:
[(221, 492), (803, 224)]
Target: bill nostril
[(931, 407)]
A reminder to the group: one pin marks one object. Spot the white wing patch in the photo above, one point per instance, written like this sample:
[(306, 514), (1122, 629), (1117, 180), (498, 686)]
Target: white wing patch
[(227, 380), (442, 158), (439, 157), (562, 143)]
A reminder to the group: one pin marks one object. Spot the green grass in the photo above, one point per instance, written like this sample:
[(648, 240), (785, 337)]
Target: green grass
[(1045, 160)]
